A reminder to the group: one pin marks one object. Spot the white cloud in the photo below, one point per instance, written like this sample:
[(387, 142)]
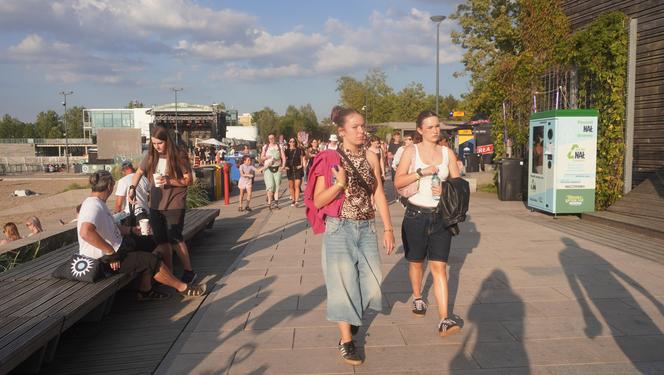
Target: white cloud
[(99, 37), (61, 62), (234, 72)]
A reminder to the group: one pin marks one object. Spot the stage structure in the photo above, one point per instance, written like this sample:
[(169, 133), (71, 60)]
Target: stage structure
[(193, 121)]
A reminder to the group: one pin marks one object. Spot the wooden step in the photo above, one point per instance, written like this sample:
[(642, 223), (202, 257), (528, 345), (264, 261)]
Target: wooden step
[(647, 226)]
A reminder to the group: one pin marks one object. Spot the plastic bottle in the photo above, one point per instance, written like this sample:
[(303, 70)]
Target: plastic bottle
[(435, 181)]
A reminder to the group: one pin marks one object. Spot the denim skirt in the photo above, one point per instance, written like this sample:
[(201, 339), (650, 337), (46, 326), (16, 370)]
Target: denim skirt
[(351, 266)]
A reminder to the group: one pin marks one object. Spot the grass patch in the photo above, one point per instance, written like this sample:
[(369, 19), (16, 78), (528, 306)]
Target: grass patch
[(75, 186), (488, 188)]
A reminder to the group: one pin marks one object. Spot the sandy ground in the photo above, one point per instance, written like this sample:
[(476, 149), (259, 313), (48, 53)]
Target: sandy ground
[(51, 205)]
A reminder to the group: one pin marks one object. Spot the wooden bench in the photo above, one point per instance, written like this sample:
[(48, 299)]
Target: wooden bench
[(35, 308)]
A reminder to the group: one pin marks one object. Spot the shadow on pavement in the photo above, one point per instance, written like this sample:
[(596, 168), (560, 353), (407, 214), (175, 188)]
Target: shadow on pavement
[(632, 329), (513, 354)]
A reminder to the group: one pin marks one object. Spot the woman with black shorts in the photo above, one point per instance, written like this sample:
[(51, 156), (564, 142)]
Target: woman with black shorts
[(167, 169), (422, 231), (294, 169)]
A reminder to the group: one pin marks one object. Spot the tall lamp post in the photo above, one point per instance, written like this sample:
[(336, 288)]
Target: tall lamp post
[(64, 119), (175, 90), (437, 20)]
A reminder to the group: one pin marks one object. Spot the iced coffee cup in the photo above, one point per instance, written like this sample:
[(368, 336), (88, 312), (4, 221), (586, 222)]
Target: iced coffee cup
[(144, 224), (157, 179)]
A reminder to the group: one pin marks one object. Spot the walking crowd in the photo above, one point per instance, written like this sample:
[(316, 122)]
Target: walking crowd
[(344, 181)]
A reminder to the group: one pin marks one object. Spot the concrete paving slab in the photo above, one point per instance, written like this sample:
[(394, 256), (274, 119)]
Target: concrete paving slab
[(232, 341)]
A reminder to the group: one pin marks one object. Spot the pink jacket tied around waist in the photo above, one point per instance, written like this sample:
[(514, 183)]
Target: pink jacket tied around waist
[(322, 166)]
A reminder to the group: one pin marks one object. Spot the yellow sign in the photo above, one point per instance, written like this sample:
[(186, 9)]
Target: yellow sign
[(465, 132), (458, 114)]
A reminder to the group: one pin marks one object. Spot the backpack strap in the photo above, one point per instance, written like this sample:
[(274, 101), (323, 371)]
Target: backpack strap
[(357, 174)]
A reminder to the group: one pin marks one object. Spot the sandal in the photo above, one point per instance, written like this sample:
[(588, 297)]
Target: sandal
[(152, 295), (194, 290)]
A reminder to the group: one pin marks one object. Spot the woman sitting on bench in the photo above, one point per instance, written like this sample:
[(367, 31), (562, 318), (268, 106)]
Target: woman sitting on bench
[(100, 237)]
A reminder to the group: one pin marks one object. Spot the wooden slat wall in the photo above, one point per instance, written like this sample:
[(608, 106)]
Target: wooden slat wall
[(649, 88)]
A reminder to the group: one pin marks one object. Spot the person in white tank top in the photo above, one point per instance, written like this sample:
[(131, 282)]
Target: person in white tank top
[(422, 230)]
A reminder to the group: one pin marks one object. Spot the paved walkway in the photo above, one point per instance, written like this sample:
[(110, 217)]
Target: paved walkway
[(535, 301)]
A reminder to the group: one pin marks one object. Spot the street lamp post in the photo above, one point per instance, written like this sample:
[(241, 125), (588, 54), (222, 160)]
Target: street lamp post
[(64, 119), (437, 20), (175, 90)]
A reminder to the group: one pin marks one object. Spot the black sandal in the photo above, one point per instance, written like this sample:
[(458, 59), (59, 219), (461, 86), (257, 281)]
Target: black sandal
[(152, 295)]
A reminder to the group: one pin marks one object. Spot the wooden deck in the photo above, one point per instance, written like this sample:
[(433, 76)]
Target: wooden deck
[(135, 336)]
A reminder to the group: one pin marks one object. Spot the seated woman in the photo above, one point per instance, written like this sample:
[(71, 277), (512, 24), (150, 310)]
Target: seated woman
[(34, 225), (11, 233), (100, 238)]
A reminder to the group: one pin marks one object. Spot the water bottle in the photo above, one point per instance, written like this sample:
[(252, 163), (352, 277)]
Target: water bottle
[(435, 181)]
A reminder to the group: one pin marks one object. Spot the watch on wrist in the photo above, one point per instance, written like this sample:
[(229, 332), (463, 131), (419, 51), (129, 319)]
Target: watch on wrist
[(419, 172)]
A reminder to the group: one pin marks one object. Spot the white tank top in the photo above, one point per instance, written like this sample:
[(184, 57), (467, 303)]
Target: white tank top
[(423, 197)]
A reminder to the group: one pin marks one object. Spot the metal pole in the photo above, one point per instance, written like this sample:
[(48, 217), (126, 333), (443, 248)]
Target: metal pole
[(438, 20), (175, 90), (64, 118), (437, 64)]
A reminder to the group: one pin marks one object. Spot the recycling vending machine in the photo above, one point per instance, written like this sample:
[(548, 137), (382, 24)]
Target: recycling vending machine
[(562, 161)]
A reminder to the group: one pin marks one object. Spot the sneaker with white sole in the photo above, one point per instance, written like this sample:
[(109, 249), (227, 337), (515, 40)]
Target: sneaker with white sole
[(419, 307), (349, 353), (448, 326)]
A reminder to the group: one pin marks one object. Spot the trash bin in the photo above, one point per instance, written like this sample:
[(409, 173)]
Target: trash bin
[(472, 163), (509, 185), (205, 176)]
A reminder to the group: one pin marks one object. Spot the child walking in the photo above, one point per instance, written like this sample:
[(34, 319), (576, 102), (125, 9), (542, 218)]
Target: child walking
[(247, 173)]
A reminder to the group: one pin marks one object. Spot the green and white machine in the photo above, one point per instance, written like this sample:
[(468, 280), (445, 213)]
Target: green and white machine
[(562, 161)]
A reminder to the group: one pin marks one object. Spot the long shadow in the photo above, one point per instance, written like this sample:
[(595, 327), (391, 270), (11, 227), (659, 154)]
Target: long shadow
[(633, 330), (510, 354), (458, 255)]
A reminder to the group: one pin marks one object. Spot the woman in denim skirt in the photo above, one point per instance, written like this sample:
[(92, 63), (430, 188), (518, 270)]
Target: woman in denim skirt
[(351, 263), (422, 231)]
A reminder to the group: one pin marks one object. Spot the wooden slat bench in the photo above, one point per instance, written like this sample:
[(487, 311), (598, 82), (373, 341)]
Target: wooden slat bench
[(36, 308)]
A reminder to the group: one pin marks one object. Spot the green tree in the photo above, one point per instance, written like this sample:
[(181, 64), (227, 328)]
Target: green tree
[(134, 104), (352, 92), (74, 117), (221, 106), (411, 101), (47, 125), (267, 121), (509, 44)]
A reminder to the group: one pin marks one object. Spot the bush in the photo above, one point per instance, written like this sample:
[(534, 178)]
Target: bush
[(197, 196), (75, 186)]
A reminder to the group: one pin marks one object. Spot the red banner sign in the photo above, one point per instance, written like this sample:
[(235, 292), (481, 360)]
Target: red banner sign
[(484, 150)]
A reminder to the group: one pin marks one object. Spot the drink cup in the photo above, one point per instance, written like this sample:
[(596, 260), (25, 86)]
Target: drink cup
[(157, 177), (145, 226)]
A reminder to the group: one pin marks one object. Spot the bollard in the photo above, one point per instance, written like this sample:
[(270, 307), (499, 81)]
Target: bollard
[(227, 181)]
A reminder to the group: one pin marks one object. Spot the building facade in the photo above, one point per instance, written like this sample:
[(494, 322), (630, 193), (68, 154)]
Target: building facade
[(645, 96)]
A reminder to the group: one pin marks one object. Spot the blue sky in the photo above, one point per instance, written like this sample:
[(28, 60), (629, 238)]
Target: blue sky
[(247, 54)]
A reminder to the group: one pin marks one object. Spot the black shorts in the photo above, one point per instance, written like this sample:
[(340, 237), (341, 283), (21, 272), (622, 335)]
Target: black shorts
[(167, 226), (138, 262), (424, 236), (295, 174)]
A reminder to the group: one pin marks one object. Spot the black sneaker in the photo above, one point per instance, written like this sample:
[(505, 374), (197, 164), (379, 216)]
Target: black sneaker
[(354, 329), (349, 353), (448, 326), (419, 307), (188, 277)]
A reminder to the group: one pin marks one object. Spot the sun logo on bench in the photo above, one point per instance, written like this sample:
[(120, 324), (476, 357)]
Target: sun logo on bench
[(81, 266)]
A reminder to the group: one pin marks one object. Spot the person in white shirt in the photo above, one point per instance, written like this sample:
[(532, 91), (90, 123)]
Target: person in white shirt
[(408, 140), (99, 237), (334, 142), (141, 209)]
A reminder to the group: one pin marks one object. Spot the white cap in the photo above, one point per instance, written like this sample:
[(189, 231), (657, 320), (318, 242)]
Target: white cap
[(333, 138)]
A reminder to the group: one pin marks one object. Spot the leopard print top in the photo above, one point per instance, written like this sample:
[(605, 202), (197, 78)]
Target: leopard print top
[(357, 205)]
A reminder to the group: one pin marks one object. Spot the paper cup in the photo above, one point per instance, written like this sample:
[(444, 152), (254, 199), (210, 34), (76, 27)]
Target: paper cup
[(145, 226), (155, 177)]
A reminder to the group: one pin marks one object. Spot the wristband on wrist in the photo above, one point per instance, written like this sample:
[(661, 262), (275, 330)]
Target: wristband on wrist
[(342, 186), (388, 230)]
